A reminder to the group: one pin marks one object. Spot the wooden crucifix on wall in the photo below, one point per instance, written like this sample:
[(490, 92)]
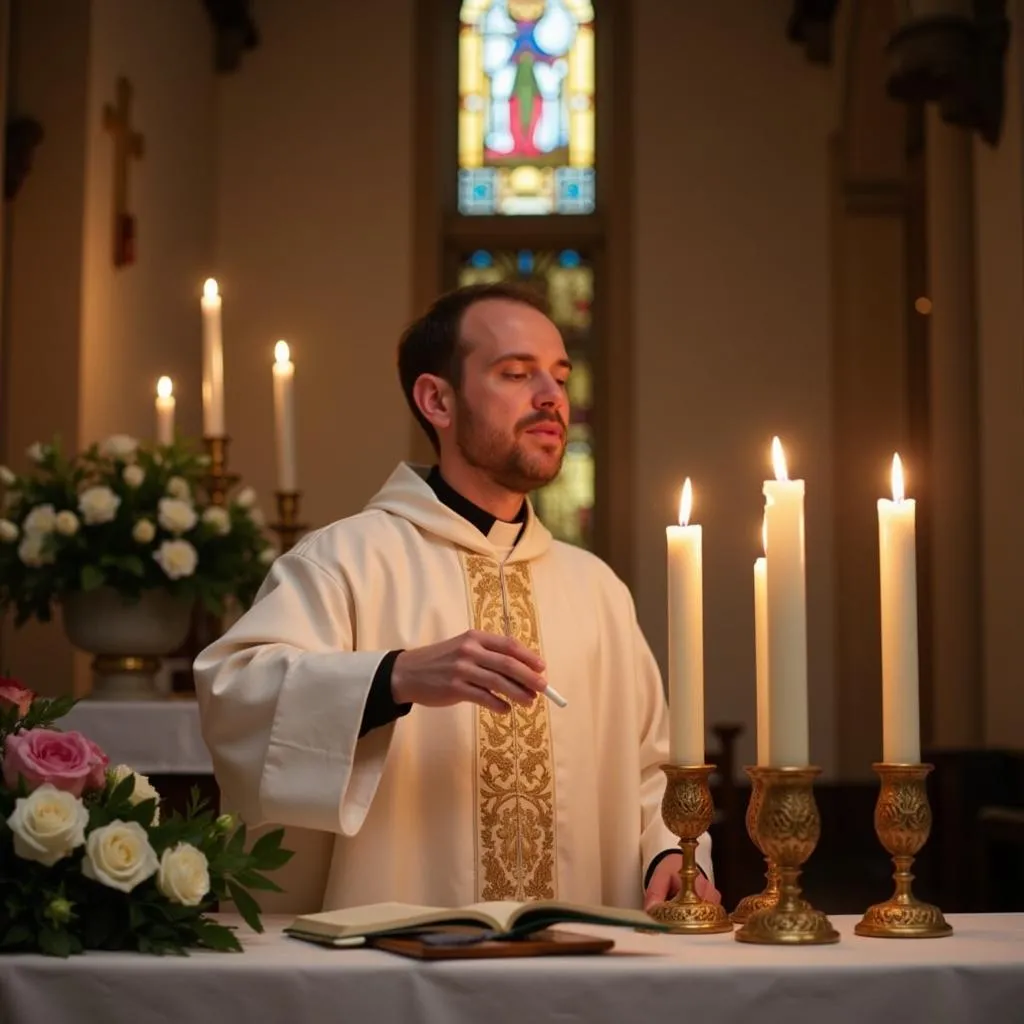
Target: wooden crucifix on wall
[(128, 145)]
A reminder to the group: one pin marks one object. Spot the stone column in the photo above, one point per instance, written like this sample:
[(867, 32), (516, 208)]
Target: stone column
[(954, 511)]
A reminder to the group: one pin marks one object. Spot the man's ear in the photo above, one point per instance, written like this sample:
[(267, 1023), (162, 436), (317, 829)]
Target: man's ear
[(435, 399)]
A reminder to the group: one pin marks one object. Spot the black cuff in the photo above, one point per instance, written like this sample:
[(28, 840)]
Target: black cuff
[(657, 860), (381, 707)]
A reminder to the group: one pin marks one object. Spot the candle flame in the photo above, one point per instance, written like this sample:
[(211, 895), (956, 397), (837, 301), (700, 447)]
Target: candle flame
[(779, 460), (164, 387), (282, 353), (764, 534), (686, 503), (897, 478), (210, 290)]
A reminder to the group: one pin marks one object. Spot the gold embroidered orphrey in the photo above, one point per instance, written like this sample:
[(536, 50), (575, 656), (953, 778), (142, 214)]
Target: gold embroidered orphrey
[(515, 804)]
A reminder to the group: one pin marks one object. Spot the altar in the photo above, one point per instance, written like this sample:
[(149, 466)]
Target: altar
[(976, 975)]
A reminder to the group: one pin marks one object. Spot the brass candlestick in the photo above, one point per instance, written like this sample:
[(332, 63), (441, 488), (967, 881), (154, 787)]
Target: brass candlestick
[(788, 828), (687, 810), (769, 895), (288, 528), (903, 820), (218, 480)]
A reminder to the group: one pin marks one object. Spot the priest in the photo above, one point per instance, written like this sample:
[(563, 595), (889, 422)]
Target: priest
[(388, 692)]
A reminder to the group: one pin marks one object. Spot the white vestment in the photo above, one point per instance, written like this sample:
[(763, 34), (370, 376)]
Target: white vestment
[(445, 806)]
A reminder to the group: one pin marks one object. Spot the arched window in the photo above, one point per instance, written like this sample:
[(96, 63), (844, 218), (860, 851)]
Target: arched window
[(523, 161)]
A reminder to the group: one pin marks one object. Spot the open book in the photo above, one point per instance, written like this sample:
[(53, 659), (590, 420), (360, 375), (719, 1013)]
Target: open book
[(495, 920)]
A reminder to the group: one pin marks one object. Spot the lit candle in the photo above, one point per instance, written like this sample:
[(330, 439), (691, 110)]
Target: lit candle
[(685, 637), (901, 738), (284, 416), (213, 362), (761, 648), (164, 411), (788, 739)]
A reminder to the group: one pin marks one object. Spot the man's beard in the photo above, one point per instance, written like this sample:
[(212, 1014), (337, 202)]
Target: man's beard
[(506, 461)]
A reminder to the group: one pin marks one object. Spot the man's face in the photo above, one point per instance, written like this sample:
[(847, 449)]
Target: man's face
[(512, 409)]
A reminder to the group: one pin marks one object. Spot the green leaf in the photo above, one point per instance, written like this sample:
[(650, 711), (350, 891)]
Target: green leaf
[(53, 942), (254, 880), (217, 937), (247, 906), (16, 935), (92, 577)]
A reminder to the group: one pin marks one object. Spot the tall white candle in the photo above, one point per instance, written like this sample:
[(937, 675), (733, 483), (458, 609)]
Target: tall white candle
[(213, 362), (284, 416), (788, 735), (761, 649), (685, 637), (901, 730), (164, 411)]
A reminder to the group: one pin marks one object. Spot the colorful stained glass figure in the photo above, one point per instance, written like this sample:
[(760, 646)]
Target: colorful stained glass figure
[(566, 279), (526, 107)]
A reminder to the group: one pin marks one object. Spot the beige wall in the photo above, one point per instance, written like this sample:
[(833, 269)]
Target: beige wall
[(732, 321), (999, 225), (141, 321), (314, 240), (85, 341)]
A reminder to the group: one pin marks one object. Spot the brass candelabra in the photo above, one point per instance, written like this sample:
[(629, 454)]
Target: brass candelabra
[(788, 829), (769, 896), (287, 526), (903, 820), (218, 480), (687, 810)]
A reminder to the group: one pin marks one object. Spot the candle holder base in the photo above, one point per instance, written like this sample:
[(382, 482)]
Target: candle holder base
[(769, 896), (903, 821), (788, 827), (287, 527), (687, 810)]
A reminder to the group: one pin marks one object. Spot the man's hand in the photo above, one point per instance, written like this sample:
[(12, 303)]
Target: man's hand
[(665, 883), (476, 666)]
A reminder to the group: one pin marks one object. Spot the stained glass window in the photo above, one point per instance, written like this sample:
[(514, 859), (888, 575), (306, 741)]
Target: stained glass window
[(526, 107), (566, 278)]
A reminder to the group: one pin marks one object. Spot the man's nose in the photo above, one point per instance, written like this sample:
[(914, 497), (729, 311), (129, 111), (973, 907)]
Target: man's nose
[(550, 394)]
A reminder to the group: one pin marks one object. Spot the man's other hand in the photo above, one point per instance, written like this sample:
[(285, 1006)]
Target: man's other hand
[(665, 883)]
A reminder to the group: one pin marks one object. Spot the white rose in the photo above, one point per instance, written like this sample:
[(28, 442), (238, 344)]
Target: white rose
[(42, 519), (144, 789), (47, 824), (36, 452), (143, 532), (219, 518), (66, 523), (177, 487), (8, 531), (119, 855), (184, 875), (33, 550), (119, 446), (246, 498), (267, 555), (177, 558), (133, 475), (6, 476), (257, 516), (176, 516), (98, 505)]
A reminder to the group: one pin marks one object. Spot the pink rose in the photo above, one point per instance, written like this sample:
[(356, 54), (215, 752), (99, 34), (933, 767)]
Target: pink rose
[(15, 695), (67, 760)]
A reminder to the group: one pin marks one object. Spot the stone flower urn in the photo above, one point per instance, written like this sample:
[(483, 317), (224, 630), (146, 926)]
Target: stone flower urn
[(128, 639)]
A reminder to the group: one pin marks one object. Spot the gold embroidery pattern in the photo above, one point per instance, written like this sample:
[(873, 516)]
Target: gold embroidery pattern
[(515, 771)]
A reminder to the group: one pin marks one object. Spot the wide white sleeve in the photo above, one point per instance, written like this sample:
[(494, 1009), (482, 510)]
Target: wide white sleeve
[(281, 698), (655, 837)]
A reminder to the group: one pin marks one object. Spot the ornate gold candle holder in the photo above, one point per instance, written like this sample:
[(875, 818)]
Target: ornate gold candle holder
[(903, 820), (687, 810), (218, 480), (288, 528), (769, 896), (788, 828)]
